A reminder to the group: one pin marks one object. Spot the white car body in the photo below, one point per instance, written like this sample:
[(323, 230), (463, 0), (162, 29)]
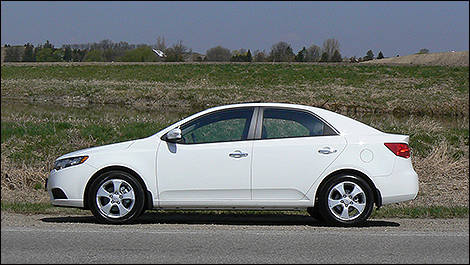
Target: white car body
[(280, 173)]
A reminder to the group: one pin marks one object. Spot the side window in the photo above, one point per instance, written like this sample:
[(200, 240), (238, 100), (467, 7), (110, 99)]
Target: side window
[(222, 126), (283, 123)]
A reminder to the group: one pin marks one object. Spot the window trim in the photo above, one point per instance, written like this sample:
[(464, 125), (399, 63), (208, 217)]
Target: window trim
[(251, 129), (259, 126)]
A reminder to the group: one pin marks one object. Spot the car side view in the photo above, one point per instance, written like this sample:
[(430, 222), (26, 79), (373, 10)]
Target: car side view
[(258, 156)]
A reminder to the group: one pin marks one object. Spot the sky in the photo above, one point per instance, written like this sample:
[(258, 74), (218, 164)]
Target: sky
[(395, 28)]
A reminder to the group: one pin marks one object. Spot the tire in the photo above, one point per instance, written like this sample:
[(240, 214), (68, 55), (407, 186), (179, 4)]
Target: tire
[(345, 200), (116, 197)]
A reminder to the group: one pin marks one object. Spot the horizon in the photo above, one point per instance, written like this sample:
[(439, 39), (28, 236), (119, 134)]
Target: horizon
[(395, 28)]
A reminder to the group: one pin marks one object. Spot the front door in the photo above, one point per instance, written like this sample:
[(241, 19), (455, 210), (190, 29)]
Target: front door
[(211, 163)]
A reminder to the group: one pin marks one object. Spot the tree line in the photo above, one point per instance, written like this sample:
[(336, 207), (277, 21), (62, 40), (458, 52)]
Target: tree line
[(109, 51)]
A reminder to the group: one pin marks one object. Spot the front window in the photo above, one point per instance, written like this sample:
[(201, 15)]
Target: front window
[(221, 126), (283, 123)]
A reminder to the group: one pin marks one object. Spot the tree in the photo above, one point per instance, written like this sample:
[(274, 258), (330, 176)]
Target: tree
[(324, 57), (313, 54), (176, 52), (68, 54), (111, 54), (45, 55), (423, 51), (28, 53), (48, 45), (336, 57), (161, 45), (259, 56), (238, 55), (281, 52), (380, 56), (142, 54), (241, 55), (249, 58), (58, 55), (13, 54), (369, 55), (300, 57), (94, 56), (78, 55), (330, 46), (218, 54)]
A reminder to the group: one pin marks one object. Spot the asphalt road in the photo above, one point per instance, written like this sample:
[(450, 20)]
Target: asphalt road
[(196, 238)]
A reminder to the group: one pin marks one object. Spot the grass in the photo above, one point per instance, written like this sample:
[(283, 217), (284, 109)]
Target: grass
[(384, 89), (384, 212), (35, 132), (38, 208), (421, 212)]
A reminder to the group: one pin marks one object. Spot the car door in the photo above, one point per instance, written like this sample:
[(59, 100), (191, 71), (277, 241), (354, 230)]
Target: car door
[(211, 163), (293, 150)]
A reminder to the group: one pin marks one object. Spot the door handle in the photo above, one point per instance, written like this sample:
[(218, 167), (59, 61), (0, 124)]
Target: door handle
[(326, 151), (238, 154)]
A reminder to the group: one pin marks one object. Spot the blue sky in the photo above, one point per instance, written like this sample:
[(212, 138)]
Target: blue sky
[(391, 27)]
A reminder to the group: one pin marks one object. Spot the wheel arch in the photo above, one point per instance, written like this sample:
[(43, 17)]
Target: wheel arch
[(148, 201), (376, 192)]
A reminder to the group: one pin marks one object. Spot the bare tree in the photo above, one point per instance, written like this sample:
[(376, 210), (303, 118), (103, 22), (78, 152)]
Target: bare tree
[(330, 46), (218, 54), (176, 52), (281, 52), (160, 45), (259, 56), (313, 54)]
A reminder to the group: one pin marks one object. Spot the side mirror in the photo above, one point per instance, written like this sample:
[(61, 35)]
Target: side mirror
[(173, 135)]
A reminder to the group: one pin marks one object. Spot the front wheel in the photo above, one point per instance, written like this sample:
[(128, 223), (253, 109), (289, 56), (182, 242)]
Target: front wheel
[(346, 200), (116, 197)]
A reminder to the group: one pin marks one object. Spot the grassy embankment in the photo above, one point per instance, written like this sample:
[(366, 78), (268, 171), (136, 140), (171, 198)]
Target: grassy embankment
[(138, 100)]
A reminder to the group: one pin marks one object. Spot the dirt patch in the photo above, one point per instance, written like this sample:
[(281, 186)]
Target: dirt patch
[(438, 58)]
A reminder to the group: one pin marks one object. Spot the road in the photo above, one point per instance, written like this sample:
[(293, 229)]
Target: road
[(212, 238)]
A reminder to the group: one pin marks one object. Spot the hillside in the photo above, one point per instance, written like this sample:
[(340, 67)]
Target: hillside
[(438, 58)]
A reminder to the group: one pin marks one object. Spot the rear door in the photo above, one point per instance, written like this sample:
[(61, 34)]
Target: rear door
[(293, 148)]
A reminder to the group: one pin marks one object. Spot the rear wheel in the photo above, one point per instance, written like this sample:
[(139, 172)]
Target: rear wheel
[(116, 197), (346, 200)]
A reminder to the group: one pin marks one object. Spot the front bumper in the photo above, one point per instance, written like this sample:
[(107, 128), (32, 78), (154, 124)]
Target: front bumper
[(66, 187)]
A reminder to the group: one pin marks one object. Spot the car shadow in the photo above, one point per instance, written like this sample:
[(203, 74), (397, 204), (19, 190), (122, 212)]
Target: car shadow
[(220, 219)]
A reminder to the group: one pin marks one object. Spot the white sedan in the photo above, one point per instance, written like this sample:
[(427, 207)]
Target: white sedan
[(260, 156)]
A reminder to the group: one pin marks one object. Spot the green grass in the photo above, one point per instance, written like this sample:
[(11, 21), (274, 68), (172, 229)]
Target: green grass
[(53, 132), (421, 212), (384, 212), (247, 75), (401, 89), (38, 208)]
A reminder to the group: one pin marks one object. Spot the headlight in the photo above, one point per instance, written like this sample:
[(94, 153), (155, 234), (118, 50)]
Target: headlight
[(67, 162)]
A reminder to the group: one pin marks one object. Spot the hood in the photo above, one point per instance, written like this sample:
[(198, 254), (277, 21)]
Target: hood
[(98, 149)]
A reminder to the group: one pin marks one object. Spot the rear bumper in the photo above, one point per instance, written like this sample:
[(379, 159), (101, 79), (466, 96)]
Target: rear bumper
[(402, 185)]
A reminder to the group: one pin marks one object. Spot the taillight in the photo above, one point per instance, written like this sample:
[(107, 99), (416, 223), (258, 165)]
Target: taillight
[(399, 149)]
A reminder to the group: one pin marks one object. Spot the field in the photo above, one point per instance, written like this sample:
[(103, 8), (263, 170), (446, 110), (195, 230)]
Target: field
[(51, 109), (437, 58)]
